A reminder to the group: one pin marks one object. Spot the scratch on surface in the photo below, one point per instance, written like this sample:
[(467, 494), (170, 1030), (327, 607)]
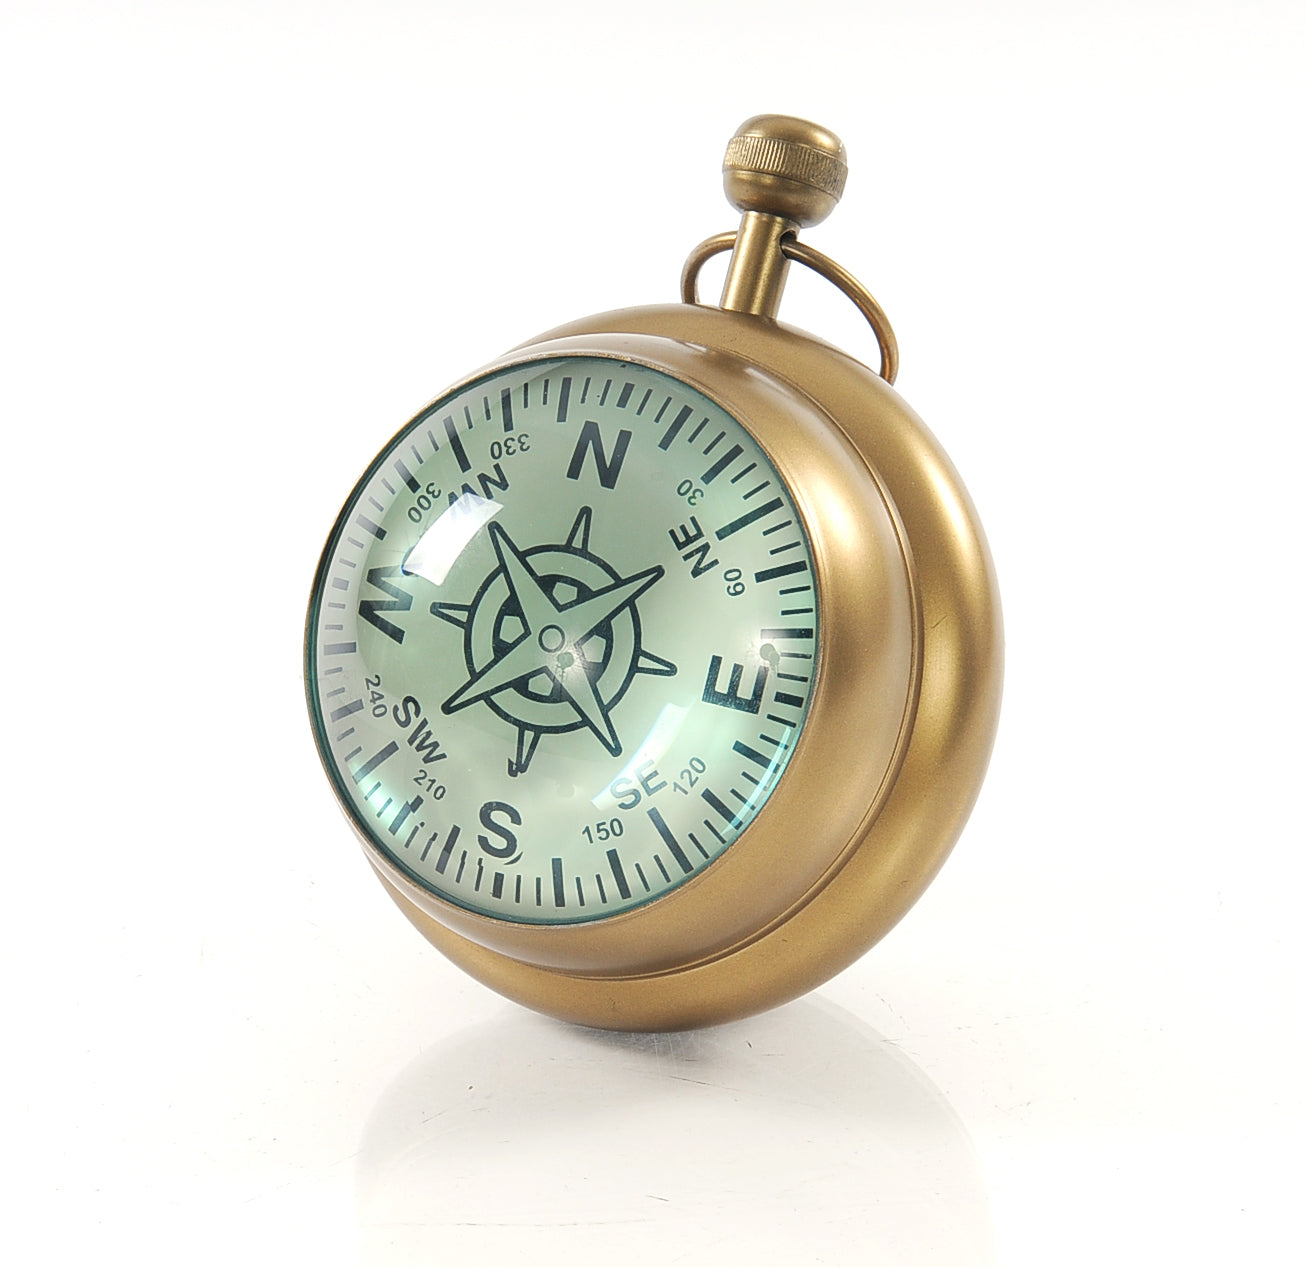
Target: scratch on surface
[(892, 1011)]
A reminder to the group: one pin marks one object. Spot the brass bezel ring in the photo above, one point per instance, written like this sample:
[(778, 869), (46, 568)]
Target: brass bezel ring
[(824, 266)]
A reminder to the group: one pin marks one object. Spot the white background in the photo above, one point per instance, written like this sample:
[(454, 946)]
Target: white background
[(243, 242)]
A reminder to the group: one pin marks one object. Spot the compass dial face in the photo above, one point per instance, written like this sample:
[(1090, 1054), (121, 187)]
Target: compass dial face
[(562, 640)]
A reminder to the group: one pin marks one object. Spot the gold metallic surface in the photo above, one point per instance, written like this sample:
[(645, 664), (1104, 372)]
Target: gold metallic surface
[(755, 280), (832, 272), (908, 823), (699, 256), (783, 174), (904, 708), (866, 302), (785, 167)]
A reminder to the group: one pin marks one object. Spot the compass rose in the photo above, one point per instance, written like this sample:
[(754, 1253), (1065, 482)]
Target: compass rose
[(552, 639)]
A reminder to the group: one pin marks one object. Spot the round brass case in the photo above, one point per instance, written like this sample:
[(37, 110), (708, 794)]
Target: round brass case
[(899, 727)]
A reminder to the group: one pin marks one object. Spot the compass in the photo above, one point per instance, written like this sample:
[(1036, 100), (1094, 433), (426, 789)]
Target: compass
[(552, 640), (656, 664)]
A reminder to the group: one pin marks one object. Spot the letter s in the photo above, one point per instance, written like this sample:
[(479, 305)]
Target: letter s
[(412, 707), (509, 845)]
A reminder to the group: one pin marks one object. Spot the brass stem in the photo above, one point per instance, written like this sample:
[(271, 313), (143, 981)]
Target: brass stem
[(758, 267)]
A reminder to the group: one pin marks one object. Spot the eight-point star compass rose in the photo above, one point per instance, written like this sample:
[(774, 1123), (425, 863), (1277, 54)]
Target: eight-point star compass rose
[(552, 639)]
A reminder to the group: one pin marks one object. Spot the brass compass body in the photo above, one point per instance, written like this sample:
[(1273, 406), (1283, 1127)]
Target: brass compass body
[(657, 663)]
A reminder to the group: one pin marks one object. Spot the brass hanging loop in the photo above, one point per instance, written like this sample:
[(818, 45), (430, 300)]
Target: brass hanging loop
[(831, 270), (699, 256), (782, 174)]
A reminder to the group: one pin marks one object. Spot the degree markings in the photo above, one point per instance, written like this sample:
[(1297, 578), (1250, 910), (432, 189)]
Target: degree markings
[(783, 569), (618, 873), (749, 517), (669, 839), (676, 424), (455, 442), (721, 807), (401, 469), (752, 754), (722, 462), (679, 850)]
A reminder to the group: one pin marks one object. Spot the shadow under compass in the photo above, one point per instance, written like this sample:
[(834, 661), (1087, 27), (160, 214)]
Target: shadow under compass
[(800, 1135)]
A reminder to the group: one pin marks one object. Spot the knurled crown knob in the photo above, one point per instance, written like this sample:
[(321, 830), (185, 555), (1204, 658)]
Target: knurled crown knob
[(787, 167)]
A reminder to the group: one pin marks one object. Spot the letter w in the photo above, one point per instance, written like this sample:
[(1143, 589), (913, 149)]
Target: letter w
[(401, 601)]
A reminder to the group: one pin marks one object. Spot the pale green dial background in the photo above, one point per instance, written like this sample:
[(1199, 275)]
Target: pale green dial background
[(562, 640)]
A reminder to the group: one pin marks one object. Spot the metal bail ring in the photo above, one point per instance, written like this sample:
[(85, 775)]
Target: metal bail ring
[(834, 273)]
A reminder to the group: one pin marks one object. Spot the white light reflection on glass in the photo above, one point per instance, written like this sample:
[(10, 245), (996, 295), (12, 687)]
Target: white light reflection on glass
[(438, 548), (661, 735)]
